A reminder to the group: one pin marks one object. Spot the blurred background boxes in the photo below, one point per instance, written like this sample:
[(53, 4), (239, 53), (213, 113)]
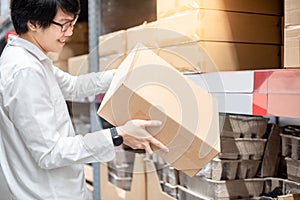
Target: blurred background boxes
[(272, 7)]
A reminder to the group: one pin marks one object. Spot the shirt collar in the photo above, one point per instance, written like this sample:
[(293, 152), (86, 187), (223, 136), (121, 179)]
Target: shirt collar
[(17, 41)]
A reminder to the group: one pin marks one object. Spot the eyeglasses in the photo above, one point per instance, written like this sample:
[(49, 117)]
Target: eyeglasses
[(66, 26)]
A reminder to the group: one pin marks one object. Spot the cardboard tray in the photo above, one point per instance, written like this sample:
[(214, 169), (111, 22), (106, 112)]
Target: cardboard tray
[(230, 189), (242, 148), (219, 169)]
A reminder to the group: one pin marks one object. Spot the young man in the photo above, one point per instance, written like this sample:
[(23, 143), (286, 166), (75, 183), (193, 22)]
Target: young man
[(40, 155)]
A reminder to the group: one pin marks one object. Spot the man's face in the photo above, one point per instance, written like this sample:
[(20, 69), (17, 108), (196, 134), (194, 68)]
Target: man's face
[(53, 38)]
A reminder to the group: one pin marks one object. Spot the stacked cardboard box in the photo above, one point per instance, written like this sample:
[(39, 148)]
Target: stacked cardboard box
[(112, 51), (167, 8), (204, 36), (292, 33), (236, 35)]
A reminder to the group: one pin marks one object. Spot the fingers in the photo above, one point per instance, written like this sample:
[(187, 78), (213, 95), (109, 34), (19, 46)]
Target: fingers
[(148, 148), (136, 135), (159, 145), (144, 143), (152, 123)]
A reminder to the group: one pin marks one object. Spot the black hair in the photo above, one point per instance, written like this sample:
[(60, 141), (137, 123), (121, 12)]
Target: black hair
[(40, 12)]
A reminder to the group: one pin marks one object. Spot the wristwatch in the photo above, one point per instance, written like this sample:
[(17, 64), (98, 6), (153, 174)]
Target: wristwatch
[(116, 138)]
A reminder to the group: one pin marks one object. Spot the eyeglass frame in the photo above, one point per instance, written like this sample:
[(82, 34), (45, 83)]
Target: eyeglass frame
[(67, 24)]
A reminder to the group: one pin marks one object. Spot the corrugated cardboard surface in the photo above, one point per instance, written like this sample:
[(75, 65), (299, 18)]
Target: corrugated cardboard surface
[(273, 7), (147, 87), (292, 46), (205, 40), (80, 64), (217, 25), (292, 12)]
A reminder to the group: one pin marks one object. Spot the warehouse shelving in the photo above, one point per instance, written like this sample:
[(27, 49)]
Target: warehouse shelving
[(94, 19)]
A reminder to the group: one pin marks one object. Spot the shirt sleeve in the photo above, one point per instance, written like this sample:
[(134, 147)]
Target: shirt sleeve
[(30, 107), (74, 87)]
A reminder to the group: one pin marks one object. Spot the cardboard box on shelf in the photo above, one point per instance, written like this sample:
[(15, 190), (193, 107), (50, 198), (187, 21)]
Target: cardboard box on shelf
[(147, 87), (291, 12), (111, 61), (292, 47), (206, 40), (188, 54), (112, 43), (80, 64), (167, 8), (69, 50), (216, 25), (221, 56), (240, 56), (198, 47), (60, 59)]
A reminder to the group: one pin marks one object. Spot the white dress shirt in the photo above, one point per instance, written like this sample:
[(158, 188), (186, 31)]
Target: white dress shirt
[(40, 155)]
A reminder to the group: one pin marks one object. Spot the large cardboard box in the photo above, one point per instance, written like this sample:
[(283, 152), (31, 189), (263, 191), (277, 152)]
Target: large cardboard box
[(273, 7), (147, 87)]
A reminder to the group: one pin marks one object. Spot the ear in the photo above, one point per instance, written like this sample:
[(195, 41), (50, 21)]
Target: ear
[(32, 26)]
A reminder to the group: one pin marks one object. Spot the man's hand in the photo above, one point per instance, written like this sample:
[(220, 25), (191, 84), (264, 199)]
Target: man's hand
[(136, 136)]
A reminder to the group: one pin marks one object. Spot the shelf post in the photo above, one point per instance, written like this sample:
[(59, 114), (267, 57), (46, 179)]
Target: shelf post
[(94, 24)]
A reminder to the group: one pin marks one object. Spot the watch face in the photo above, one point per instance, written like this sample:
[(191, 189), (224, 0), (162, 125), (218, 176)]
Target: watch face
[(118, 140)]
